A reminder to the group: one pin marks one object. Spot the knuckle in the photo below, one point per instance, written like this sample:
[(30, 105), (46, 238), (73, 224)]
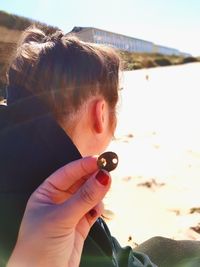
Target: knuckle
[(87, 194)]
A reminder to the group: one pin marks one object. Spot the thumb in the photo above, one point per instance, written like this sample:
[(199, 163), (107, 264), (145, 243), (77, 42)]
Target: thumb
[(89, 195)]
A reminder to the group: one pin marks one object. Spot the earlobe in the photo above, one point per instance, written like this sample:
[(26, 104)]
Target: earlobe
[(99, 116)]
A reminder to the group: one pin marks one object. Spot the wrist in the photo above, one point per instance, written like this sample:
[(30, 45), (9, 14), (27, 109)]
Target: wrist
[(23, 256)]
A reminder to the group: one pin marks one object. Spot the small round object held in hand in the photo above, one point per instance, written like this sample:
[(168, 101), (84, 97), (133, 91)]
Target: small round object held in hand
[(108, 161)]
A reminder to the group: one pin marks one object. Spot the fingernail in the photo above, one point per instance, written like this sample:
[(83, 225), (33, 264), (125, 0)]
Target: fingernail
[(93, 213), (102, 177)]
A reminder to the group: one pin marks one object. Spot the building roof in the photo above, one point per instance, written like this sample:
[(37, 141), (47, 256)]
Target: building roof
[(78, 29)]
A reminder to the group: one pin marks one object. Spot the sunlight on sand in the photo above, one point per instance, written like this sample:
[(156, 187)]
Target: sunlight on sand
[(158, 142)]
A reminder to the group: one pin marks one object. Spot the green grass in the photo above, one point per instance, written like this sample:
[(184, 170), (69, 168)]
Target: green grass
[(134, 61)]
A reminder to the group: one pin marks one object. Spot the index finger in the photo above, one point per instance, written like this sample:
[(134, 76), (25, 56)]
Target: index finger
[(72, 172)]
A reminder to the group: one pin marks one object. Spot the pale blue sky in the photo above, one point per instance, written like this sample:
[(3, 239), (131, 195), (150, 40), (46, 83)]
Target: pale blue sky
[(174, 23)]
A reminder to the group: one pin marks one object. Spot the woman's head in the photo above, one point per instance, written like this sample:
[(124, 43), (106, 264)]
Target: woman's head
[(65, 73)]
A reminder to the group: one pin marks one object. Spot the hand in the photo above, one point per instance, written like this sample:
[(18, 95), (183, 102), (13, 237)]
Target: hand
[(59, 215)]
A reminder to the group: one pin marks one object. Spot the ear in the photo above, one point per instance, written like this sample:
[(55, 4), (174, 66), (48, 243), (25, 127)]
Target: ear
[(99, 115)]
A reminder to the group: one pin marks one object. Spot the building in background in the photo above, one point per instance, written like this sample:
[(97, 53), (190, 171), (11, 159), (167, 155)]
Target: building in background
[(122, 42)]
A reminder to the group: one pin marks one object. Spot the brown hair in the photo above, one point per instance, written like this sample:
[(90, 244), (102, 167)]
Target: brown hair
[(64, 71)]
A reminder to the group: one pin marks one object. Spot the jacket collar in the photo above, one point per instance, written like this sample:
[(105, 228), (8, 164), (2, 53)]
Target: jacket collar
[(23, 106), (14, 93)]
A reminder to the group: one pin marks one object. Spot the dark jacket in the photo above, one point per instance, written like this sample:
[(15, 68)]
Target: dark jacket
[(33, 146)]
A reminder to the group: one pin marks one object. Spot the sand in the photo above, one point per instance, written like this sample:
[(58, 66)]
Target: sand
[(155, 188)]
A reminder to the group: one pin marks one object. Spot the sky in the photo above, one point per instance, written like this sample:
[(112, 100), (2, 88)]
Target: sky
[(173, 23)]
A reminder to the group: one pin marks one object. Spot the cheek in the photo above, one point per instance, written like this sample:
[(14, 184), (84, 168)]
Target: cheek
[(113, 124), (109, 136), (109, 132), (105, 141)]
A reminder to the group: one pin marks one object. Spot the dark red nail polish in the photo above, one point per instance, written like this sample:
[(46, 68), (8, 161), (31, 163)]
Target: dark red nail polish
[(102, 177), (93, 213)]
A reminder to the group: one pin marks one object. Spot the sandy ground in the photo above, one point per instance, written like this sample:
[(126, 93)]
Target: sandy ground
[(155, 189)]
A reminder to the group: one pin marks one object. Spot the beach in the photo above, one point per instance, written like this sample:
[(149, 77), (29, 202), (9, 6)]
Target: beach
[(155, 188)]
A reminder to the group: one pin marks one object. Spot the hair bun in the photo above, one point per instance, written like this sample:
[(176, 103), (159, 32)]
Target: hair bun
[(55, 37), (32, 34)]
